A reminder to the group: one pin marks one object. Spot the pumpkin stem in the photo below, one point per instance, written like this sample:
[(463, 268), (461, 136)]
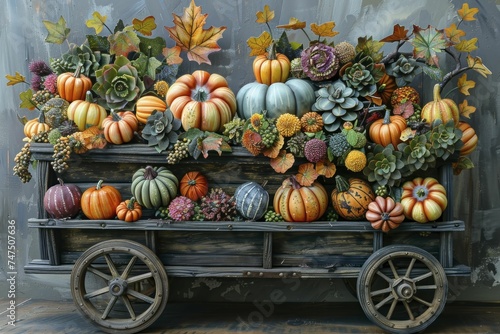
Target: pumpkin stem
[(294, 182), (341, 183), (150, 173), (60, 181), (131, 203), (115, 115), (78, 70), (272, 52), (200, 95), (89, 97), (41, 117), (99, 184), (387, 117), (436, 93)]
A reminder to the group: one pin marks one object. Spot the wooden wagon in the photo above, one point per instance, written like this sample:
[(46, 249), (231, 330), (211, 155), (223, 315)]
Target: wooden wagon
[(119, 271)]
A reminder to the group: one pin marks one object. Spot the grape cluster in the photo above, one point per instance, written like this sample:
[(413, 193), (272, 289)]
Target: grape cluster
[(269, 135), (272, 216), (381, 191), (331, 215), (179, 152), (162, 212), (41, 137), (62, 153), (416, 116), (22, 160), (41, 97)]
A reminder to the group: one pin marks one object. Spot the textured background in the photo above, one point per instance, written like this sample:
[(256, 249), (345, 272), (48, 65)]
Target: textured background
[(477, 192)]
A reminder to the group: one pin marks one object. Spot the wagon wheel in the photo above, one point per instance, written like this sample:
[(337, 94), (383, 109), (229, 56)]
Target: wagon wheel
[(120, 285), (402, 289)]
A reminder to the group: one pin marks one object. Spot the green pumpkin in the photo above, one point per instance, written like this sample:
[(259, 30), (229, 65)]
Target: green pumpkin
[(154, 187), (295, 96), (252, 200)]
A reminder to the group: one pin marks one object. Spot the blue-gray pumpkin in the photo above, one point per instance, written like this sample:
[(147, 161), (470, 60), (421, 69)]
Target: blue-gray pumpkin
[(252, 200)]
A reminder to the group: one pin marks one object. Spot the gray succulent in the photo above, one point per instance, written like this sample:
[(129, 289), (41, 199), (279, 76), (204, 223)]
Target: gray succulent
[(161, 130), (404, 70), (417, 155), (384, 165)]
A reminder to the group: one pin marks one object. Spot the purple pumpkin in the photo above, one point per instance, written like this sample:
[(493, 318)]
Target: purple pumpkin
[(62, 200)]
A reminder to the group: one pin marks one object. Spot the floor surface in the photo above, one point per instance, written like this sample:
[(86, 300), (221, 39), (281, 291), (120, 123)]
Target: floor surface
[(49, 317)]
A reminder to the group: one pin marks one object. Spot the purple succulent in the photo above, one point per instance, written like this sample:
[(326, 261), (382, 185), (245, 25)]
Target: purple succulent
[(320, 62), (181, 208)]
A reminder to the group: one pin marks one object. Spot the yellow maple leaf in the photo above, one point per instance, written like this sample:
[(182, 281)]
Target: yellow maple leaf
[(259, 45), (15, 79), (476, 63), (172, 55), (145, 26), (466, 13), (189, 34), (294, 24), (453, 33), (465, 109), (324, 30), (464, 85), (97, 22), (467, 45), (265, 16)]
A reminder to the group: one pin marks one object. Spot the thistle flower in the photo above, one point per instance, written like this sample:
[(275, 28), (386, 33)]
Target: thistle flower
[(315, 150), (40, 68), (50, 83)]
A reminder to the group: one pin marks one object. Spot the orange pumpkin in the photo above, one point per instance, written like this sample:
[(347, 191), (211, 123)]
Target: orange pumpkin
[(385, 214), (271, 67), (146, 105), (385, 87), (387, 130), (351, 197), (100, 202), (296, 203), (86, 113), (443, 109), (73, 86), (119, 127), (35, 126), (193, 185), (129, 210), (469, 138), (423, 200), (202, 100)]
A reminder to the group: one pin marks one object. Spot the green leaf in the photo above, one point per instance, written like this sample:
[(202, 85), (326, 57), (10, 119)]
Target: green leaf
[(152, 47), (26, 98), (98, 43), (370, 48), (123, 42), (433, 72), (427, 43), (58, 32), (146, 66), (283, 46)]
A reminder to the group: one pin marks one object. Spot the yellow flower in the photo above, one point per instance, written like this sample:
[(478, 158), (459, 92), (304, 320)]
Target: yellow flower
[(256, 121), (355, 161), (161, 87), (288, 125)]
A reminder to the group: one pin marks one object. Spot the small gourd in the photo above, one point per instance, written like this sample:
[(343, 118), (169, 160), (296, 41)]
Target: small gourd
[(271, 67), (351, 197), (252, 200), (443, 109), (36, 126), (119, 127), (154, 187), (129, 210), (86, 113), (62, 200), (73, 86), (469, 138), (387, 130), (193, 185), (385, 214), (146, 105), (100, 202), (423, 199)]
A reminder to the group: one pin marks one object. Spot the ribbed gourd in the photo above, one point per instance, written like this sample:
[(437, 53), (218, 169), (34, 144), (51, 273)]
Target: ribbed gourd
[(154, 187), (252, 200), (443, 109)]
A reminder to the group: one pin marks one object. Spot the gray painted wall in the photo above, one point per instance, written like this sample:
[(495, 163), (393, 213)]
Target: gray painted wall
[(477, 196)]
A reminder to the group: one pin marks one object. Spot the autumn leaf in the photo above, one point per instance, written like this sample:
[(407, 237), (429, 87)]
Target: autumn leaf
[(453, 33), (293, 24), (461, 164), (370, 48), (476, 63), (15, 79), (466, 13), (283, 162), (464, 85), (326, 168), (400, 33), (123, 42), (427, 43), (265, 16), (274, 151), (145, 26), (172, 55), (467, 45), (58, 32), (307, 174), (465, 109), (324, 30), (259, 45), (407, 134), (188, 33), (405, 109), (26, 98), (210, 143), (97, 22)]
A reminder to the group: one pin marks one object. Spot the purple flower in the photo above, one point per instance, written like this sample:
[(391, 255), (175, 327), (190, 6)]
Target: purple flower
[(36, 82), (40, 68), (319, 62), (50, 83)]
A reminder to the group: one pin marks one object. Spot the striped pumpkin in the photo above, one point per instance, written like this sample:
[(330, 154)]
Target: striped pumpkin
[(351, 198), (62, 200), (443, 109), (252, 200), (154, 187), (469, 138)]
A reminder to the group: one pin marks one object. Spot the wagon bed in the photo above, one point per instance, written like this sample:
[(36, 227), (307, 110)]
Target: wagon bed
[(390, 268)]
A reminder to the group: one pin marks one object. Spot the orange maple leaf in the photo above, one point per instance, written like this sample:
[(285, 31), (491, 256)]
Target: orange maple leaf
[(145, 26), (172, 55), (265, 16), (453, 33), (259, 45), (464, 85), (294, 24), (326, 168), (466, 109), (307, 174), (274, 151), (282, 162), (400, 33), (188, 33), (466, 13), (324, 30), (476, 63)]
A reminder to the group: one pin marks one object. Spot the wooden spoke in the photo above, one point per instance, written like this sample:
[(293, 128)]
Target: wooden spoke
[(384, 301), (421, 301), (139, 278), (408, 310), (141, 296), (99, 273), (96, 293), (111, 266), (129, 267), (391, 310), (410, 267), (421, 277), (393, 268), (108, 309), (129, 307), (381, 291)]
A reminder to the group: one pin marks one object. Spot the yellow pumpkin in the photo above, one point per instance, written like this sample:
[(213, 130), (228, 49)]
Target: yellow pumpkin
[(146, 105), (469, 138), (271, 67), (443, 109), (86, 113), (73, 86), (423, 200), (36, 126), (202, 100)]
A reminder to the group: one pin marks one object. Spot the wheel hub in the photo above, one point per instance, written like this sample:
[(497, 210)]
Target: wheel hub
[(117, 286), (403, 289)]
